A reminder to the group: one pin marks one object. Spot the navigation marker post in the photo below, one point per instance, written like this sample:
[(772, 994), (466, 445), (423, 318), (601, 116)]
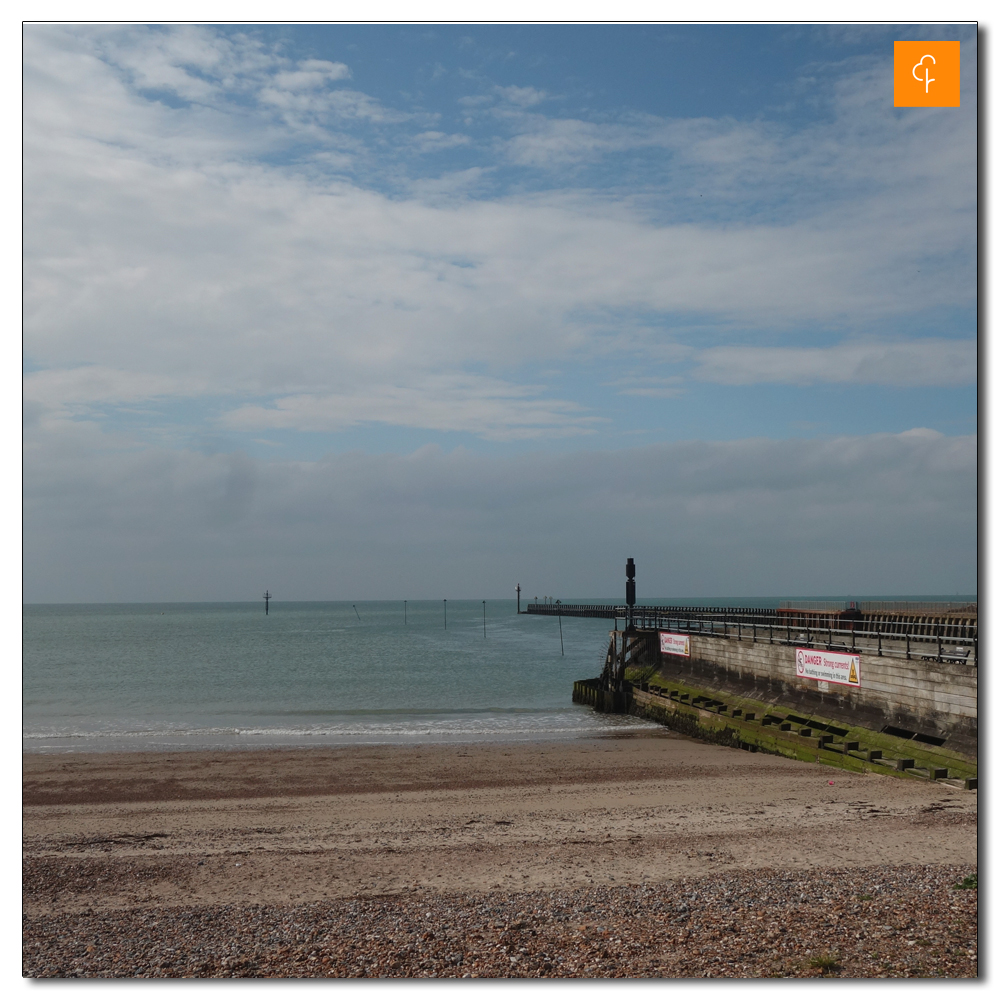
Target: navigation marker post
[(630, 594), (267, 600)]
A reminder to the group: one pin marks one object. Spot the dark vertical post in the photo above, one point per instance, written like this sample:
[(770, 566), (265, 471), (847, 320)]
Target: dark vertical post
[(630, 592), (484, 619), (267, 600), (518, 589), (446, 614), (562, 651)]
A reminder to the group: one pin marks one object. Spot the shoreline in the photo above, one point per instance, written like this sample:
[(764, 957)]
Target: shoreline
[(314, 835), (574, 721)]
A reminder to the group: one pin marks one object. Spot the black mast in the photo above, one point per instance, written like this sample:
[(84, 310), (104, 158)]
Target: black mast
[(630, 591)]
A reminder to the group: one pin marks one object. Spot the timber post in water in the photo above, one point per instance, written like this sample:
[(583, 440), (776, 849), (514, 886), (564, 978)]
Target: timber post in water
[(267, 599), (518, 589)]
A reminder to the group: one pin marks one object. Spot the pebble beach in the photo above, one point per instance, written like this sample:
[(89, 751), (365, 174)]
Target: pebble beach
[(641, 857)]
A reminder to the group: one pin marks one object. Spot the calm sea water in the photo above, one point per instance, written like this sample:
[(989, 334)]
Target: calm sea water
[(168, 676), (165, 676)]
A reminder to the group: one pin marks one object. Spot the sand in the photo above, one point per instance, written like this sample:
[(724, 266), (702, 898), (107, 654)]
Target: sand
[(106, 834)]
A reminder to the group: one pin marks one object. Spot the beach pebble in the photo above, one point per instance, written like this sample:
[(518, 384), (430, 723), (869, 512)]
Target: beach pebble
[(745, 924)]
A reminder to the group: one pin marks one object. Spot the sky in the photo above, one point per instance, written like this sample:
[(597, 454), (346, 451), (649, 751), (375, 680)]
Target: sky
[(375, 312)]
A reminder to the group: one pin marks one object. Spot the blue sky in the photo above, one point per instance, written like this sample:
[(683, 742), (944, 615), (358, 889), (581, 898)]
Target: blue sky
[(266, 248)]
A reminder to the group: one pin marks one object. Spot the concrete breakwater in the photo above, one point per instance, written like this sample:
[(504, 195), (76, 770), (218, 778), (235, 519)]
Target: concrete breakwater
[(898, 713), (748, 724), (939, 700)]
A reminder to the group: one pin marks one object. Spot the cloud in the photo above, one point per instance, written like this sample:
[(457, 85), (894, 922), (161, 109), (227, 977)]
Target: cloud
[(554, 143), (522, 96), (916, 362), (433, 142), (267, 236), (94, 384), (885, 513), (652, 387), (486, 407), (311, 74)]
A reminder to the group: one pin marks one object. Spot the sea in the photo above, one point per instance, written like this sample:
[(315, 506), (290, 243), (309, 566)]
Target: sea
[(125, 677), (164, 677)]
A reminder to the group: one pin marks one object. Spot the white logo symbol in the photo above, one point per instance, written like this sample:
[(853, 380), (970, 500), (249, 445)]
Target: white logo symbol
[(926, 79)]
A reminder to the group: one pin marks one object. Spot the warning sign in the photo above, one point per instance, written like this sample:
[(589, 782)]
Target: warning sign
[(821, 665), (679, 645)]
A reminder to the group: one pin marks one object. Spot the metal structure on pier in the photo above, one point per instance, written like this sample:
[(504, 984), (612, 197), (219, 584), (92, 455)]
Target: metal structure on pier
[(944, 638)]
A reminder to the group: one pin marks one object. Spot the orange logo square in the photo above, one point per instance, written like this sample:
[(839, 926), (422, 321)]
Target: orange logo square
[(925, 74)]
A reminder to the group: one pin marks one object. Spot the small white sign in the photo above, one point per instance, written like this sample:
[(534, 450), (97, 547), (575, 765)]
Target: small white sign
[(678, 645), (834, 668)]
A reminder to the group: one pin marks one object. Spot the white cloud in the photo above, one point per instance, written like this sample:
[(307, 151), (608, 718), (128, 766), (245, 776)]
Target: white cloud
[(486, 407), (173, 244), (650, 386), (916, 362), (310, 75), (886, 513), (522, 96), (433, 142), (554, 143), (93, 384)]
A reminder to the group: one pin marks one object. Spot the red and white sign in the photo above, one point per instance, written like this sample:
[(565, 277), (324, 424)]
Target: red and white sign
[(821, 665), (678, 645)]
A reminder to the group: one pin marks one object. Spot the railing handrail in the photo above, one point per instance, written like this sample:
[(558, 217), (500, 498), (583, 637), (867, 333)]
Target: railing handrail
[(780, 627)]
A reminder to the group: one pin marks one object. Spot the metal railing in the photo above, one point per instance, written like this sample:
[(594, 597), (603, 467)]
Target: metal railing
[(904, 607), (945, 641)]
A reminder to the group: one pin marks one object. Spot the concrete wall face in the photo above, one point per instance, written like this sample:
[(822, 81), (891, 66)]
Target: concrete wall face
[(938, 699)]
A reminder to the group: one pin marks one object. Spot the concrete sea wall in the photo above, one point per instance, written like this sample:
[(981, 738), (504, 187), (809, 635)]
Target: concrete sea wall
[(923, 696)]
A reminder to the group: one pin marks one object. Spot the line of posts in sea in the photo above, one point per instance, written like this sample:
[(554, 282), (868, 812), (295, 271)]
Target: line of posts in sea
[(268, 597)]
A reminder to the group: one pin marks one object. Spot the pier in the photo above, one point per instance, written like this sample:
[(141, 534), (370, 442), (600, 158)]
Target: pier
[(864, 687)]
